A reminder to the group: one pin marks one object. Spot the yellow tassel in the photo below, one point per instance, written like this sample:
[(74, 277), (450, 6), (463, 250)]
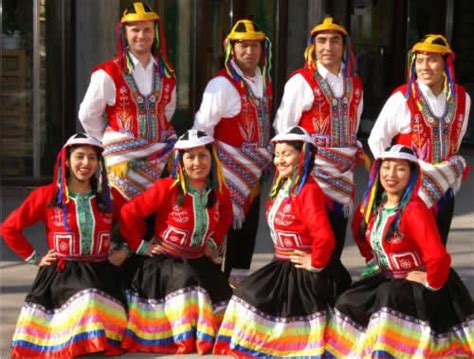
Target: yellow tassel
[(120, 170), (182, 180), (254, 192), (308, 55), (370, 202), (367, 161), (219, 171)]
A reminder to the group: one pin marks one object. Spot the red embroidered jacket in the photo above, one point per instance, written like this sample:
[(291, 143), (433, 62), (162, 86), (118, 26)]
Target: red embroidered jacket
[(434, 139), (301, 222), (419, 248), (88, 236), (331, 121), (252, 124), (144, 116), (184, 230)]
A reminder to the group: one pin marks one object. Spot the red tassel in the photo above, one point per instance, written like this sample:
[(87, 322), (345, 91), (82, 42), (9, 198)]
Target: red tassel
[(465, 174), (163, 47), (450, 62), (120, 49)]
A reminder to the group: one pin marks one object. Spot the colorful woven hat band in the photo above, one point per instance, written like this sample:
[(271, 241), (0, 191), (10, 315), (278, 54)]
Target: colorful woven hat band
[(139, 11)]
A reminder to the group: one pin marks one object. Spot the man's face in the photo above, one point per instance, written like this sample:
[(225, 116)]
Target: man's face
[(329, 49), (247, 55), (429, 68), (140, 36)]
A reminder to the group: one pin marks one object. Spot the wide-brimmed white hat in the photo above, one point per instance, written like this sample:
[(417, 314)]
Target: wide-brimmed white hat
[(295, 133), (193, 138), (398, 152), (83, 139)]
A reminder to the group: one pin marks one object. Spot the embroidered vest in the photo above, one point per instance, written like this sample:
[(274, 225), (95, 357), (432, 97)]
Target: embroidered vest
[(89, 234), (434, 139), (332, 121), (133, 112), (252, 124)]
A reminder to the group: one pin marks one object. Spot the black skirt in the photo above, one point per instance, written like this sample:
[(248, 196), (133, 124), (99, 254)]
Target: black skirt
[(279, 311), (175, 305), (75, 311), (396, 317)]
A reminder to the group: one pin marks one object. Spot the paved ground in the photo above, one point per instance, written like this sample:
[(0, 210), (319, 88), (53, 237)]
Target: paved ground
[(16, 277)]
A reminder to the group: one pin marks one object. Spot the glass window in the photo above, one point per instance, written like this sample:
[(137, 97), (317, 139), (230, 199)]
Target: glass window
[(16, 94), (378, 36)]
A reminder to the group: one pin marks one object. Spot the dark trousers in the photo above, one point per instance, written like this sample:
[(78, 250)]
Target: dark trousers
[(241, 243), (338, 225), (444, 215), (341, 276)]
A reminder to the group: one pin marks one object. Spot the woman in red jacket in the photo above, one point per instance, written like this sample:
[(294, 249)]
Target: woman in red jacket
[(281, 309), (410, 303), (75, 306), (178, 294)]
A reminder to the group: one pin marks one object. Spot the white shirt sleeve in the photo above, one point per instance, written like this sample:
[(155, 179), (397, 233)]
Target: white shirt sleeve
[(220, 99), (170, 108), (99, 94), (466, 120), (297, 98), (393, 120)]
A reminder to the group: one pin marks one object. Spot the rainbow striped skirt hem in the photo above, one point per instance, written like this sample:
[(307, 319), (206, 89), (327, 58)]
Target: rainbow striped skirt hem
[(182, 322), (385, 317), (246, 331), (90, 321), (391, 334)]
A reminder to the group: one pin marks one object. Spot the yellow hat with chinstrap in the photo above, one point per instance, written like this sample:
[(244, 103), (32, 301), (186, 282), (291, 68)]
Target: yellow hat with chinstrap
[(246, 30), (328, 24), (139, 11), (433, 43)]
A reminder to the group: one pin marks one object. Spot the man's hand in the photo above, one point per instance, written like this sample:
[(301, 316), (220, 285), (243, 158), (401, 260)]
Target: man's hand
[(47, 259)]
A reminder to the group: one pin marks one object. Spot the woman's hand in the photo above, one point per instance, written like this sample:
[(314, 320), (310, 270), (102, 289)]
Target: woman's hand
[(117, 256), (417, 276), (301, 259), (212, 255), (47, 259), (154, 248)]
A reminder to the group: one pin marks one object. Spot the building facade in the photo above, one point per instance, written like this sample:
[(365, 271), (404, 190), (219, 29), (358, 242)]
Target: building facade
[(49, 47)]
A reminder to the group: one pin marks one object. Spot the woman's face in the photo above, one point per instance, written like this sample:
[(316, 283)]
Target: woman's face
[(394, 176), (82, 163), (286, 159), (197, 163)]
